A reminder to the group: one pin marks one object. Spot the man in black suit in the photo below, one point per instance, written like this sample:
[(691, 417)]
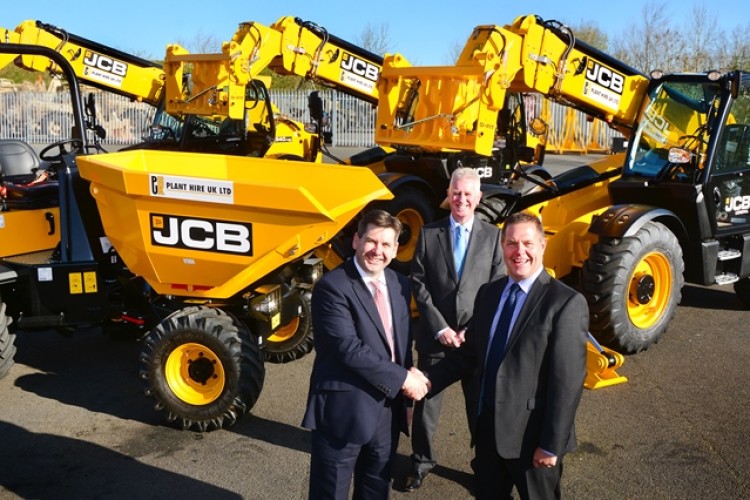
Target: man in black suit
[(529, 361), (355, 407), (445, 284)]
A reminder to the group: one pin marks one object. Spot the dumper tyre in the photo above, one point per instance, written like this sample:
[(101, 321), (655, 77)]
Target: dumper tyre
[(203, 367), (293, 340), (742, 289), (633, 286), (7, 343), (414, 210)]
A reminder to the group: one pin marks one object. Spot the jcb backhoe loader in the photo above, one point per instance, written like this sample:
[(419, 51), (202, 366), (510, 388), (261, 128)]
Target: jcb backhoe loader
[(629, 230), (208, 254)]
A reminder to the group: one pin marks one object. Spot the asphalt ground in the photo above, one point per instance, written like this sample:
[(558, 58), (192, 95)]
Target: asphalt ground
[(74, 423)]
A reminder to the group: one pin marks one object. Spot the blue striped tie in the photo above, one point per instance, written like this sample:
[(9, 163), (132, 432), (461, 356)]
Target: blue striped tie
[(459, 249)]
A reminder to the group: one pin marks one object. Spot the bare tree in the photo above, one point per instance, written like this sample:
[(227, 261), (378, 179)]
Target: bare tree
[(201, 43), (589, 32), (700, 41), (454, 51), (376, 39), (651, 44)]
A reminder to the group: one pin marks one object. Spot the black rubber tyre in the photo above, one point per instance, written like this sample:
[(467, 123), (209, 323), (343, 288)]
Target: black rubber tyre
[(293, 340), (414, 210), (633, 286), (7, 343), (742, 289), (203, 367)]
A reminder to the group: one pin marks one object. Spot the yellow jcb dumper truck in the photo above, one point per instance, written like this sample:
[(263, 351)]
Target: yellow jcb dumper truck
[(262, 132), (209, 254), (627, 231)]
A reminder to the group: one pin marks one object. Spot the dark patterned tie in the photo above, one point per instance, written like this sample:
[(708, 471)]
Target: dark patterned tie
[(497, 347)]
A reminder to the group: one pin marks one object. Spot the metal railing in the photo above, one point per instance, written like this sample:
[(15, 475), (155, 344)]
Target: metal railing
[(45, 117)]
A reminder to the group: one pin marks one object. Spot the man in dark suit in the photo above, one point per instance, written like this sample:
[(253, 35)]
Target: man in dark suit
[(355, 407), (445, 284), (529, 361)]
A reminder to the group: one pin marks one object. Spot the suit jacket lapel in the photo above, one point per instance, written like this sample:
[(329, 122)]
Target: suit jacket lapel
[(445, 243), (398, 307)]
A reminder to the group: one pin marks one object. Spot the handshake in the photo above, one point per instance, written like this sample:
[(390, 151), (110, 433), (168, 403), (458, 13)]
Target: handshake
[(417, 385)]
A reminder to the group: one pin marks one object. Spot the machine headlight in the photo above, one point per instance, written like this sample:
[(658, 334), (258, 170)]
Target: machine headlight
[(310, 271), (267, 301)]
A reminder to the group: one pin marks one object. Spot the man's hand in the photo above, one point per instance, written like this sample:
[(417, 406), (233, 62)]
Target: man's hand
[(461, 335), (543, 459), (416, 385), (450, 338)]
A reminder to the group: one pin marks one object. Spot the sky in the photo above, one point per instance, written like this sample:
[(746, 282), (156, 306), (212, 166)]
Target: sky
[(426, 32)]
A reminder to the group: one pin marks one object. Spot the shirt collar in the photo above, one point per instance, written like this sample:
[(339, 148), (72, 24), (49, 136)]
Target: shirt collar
[(467, 225), (365, 278), (526, 283)]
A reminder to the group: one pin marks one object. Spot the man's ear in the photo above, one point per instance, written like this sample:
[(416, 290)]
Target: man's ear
[(355, 241)]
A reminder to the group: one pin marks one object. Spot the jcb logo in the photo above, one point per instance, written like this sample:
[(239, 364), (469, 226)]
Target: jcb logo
[(360, 67), (605, 77), (105, 63), (201, 234), (737, 204)]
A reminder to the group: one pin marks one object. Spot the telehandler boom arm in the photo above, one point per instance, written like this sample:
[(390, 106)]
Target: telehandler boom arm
[(454, 108), (289, 46), (95, 64)]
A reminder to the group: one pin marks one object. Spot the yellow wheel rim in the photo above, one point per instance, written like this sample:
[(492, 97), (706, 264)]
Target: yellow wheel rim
[(195, 374), (407, 243), (649, 290), (286, 332)]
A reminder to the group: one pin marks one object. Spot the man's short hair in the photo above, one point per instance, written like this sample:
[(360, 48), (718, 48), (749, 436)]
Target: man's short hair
[(378, 218), (465, 173), (523, 218)]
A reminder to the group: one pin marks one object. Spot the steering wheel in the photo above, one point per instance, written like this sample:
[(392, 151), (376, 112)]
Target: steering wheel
[(64, 148)]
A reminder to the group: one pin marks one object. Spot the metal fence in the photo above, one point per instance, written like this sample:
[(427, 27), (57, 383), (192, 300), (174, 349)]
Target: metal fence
[(45, 117)]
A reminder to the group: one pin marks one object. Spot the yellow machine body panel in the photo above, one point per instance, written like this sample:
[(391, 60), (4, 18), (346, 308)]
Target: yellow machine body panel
[(448, 108), (568, 217), (211, 235), (39, 229)]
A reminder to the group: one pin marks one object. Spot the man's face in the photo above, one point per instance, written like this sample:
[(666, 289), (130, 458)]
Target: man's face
[(375, 249), (523, 250), (464, 195)]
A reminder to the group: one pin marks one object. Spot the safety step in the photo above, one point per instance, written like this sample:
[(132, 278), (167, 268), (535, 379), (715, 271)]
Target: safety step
[(726, 278), (729, 254), (41, 321)]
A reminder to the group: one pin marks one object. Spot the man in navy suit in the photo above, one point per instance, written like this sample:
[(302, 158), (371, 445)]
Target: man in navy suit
[(356, 404), (445, 285), (529, 364)]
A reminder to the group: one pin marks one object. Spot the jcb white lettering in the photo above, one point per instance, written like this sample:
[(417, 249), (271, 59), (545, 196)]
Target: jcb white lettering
[(201, 234), (105, 63), (360, 67), (605, 77)]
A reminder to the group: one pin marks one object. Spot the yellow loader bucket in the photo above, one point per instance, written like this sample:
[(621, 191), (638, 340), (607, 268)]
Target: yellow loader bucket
[(206, 225)]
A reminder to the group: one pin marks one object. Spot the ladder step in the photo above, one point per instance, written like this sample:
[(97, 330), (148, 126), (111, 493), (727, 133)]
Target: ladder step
[(729, 254), (726, 278)]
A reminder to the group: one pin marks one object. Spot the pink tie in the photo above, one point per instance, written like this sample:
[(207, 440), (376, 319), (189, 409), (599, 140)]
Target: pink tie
[(383, 311)]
